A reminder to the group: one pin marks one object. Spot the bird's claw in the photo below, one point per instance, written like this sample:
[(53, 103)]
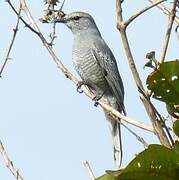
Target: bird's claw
[(97, 97), (96, 103), (79, 84)]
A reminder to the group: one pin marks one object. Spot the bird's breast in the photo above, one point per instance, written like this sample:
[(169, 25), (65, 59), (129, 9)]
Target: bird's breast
[(87, 67)]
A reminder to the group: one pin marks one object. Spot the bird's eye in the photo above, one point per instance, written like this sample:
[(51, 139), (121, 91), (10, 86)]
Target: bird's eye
[(76, 18)]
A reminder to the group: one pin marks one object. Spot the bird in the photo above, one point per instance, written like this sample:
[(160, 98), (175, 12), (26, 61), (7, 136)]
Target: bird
[(96, 65)]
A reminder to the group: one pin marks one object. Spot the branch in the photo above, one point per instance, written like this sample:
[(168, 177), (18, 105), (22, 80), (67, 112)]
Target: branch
[(9, 164), (165, 10), (69, 75), (25, 23), (133, 17), (147, 104), (87, 166), (133, 122), (168, 31), (29, 16), (12, 42), (140, 139)]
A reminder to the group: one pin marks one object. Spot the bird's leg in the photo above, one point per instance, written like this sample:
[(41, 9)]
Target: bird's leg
[(98, 95)]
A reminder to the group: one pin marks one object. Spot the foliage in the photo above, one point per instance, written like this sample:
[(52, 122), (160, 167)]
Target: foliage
[(163, 83), (156, 163), (176, 127)]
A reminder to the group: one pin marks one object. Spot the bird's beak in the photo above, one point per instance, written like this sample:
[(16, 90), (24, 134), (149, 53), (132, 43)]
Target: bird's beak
[(61, 18)]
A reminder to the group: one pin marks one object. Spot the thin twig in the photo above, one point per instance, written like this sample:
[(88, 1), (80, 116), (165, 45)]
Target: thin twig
[(63, 3), (69, 75), (9, 164), (12, 42), (25, 23), (29, 16), (152, 115), (165, 10), (136, 123), (89, 170), (133, 17), (140, 139), (168, 31), (53, 35)]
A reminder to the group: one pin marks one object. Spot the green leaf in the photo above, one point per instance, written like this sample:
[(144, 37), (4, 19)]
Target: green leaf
[(107, 177), (176, 127), (164, 82), (176, 146), (155, 163)]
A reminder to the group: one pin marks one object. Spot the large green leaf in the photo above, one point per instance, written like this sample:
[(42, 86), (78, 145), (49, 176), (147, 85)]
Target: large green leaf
[(108, 177), (155, 163), (176, 127), (164, 82)]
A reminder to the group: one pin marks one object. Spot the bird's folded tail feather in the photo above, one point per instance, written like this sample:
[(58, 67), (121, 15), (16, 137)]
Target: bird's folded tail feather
[(116, 139)]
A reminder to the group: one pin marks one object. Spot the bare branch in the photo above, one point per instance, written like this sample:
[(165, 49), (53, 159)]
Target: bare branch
[(126, 23), (25, 23), (29, 16), (63, 3), (165, 10), (53, 35), (88, 167), (168, 31), (119, 13), (12, 42), (134, 122), (9, 164), (147, 104), (140, 139)]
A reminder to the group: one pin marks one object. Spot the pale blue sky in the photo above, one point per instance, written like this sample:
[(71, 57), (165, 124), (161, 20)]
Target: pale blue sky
[(48, 128)]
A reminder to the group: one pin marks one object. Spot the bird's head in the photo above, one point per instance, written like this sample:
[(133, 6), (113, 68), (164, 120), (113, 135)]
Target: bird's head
[(78, 22)]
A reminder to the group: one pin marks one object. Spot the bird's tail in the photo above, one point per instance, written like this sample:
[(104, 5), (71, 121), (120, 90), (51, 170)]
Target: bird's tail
[(115, 129), (116, 139)]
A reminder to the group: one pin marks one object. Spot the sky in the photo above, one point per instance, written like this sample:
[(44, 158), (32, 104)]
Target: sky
[(47, 128)]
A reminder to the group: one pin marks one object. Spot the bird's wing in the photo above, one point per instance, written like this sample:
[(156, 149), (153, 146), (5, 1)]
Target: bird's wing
[(107, 62)]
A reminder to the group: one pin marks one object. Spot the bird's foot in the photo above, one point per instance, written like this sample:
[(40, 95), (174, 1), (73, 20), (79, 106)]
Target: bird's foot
[(97, 97), (79, 84)]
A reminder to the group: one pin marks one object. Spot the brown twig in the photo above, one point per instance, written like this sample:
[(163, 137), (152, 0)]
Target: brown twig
[(9, 164), (152, 115), (165, 10), (12, 42), (90, 172), (168, 31), (133, 17)]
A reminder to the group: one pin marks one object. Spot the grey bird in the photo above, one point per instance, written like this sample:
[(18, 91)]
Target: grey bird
[(97, 67)]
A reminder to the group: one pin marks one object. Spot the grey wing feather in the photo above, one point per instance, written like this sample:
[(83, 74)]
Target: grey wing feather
[(107, 62)]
